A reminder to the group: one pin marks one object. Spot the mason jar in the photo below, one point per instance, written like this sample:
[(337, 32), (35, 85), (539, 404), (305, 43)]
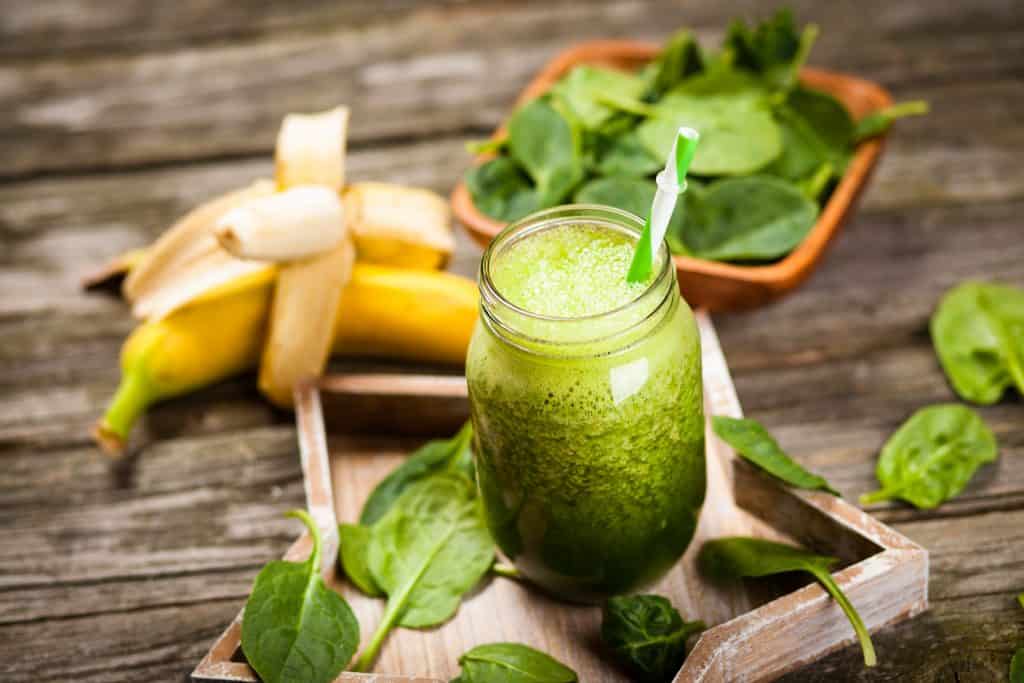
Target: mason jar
[(589, 429)]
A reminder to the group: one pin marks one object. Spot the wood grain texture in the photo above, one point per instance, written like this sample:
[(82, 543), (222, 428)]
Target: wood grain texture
[(117, 117)]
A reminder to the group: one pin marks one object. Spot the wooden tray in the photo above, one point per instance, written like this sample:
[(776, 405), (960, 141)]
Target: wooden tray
[(756, 633), (710, 284)]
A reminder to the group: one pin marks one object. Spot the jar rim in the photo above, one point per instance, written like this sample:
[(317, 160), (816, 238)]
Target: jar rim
[(568, 213)]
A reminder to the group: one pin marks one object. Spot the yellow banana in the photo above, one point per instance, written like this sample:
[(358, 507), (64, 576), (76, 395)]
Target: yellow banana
[(384, 311)]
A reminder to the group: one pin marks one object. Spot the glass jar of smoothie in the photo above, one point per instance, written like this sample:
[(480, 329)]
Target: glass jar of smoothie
[(586, 402)]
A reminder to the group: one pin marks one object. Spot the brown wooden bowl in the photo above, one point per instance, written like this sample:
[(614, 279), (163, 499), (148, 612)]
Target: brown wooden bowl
[(711, 284)]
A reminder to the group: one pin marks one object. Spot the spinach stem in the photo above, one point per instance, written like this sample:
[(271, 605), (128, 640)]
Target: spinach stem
[(506, 570), (878, 496), (826, 580)]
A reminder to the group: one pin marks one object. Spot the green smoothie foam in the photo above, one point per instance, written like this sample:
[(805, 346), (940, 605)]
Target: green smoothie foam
[(590, 456)]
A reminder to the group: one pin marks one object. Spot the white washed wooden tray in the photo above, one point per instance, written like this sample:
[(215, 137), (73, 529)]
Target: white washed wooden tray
[(756, 633)]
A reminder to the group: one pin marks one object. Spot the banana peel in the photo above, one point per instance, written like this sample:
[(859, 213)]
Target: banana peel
[(384, 312)]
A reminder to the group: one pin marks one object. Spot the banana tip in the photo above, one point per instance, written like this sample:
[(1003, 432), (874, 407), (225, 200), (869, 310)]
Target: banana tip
[(110, 443)]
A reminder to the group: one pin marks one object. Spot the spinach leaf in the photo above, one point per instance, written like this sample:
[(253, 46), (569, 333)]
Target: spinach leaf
[(295, 628), (512, 663), (827, 116), (737, 132), (978, 333), (878, 122), (580, 91), (454, 454), (773, 49), (738, 557), (501, 190), (647, 635), (803, 150), (757, 218), (932, 456), (1017, 667), (430, 548), (752, 441), (1020, 599), (815, 185), (353, 546), (678, 60), (626, 156), (544, 143), (489, 146), (635, 195)]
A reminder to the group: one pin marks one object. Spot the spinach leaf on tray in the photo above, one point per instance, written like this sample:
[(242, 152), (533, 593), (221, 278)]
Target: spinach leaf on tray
[(738, 557), (753, 442), (773, 49), (878, 122), (501, 190), (429, 549), (933, 456), (511, 663), (978, 333), (354, 543), (454, 454), (647, 635), (581, 89), (679, 59), (295, 628)]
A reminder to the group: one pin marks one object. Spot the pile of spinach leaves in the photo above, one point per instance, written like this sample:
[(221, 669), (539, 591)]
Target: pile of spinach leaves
[(771, 150)]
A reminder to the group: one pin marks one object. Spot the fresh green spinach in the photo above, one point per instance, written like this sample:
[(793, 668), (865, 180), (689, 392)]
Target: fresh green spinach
[(678, 60), (757, 218), (501, 190), (752, 441), (737, 132), (878, 122), (511, 663), (738, 557), (454, 454), (773, 49), (295, 628), (635, 195), (544, 143), (429, 549), (354, 542), (978, 333), (647, 635), (933, 456), (1017, 667), (581, 89), (626, 156)]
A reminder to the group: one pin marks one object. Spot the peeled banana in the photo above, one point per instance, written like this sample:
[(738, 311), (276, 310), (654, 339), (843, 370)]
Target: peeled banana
[(384, 311)]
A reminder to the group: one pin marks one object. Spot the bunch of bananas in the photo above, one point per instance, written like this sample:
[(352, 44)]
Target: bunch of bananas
[(282, 273)]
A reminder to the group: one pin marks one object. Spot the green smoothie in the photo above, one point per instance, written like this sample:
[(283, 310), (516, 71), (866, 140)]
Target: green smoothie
[(586, 402)]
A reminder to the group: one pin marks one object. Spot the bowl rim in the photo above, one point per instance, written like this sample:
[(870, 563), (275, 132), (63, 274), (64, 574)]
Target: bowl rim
[(782, 274)]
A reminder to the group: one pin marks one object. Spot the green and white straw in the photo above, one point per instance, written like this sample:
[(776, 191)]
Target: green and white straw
[(671, 183)]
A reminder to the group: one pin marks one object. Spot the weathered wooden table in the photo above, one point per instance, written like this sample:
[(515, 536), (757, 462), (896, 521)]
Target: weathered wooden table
[(117, 117)]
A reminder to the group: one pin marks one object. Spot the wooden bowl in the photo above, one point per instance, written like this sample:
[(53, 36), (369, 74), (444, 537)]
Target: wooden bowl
[(711, 284)]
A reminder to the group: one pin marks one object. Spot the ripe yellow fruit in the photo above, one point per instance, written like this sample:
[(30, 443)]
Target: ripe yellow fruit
[(384, 311)]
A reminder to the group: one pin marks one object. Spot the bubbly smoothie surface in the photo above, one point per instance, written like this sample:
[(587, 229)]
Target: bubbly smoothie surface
[(568, 271)]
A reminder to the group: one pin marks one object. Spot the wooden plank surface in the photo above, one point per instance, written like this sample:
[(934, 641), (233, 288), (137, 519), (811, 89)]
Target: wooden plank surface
[(116, 117)]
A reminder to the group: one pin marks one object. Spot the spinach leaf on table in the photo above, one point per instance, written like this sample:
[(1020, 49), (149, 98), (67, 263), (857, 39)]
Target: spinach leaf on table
[(511, 663), (1017, 667), (580, 91), (738, 134), (454, 454), (426, 552), (757, 218), (354, 542), (501, 190), (773, 49), (544, 143), (739, 557), (752, 441), (878, 122), (295, 628), (978, 334), (647, 635), (933, 456)]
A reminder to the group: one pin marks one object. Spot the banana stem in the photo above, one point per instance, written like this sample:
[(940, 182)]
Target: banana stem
[(129, 402)]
